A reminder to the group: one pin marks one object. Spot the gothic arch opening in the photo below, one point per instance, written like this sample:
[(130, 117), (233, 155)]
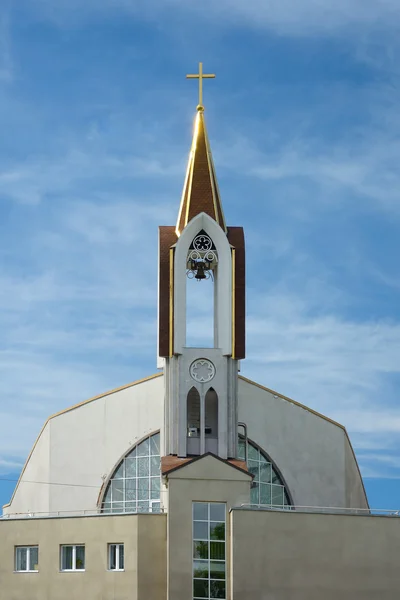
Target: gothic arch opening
[(211, 421), (193, 421)]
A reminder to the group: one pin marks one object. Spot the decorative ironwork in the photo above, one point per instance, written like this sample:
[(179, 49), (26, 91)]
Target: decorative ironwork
[(202, 370), (202, 257)]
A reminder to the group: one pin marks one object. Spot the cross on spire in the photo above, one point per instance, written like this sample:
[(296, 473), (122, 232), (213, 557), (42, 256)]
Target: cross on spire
[(200, 76)]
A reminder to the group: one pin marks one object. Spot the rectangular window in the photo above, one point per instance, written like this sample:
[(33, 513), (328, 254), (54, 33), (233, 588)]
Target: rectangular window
[(72, 558), (209, 551), (27, 559), (116, 557)]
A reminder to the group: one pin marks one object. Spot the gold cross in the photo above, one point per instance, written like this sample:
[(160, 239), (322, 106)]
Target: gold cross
[(200, 76)]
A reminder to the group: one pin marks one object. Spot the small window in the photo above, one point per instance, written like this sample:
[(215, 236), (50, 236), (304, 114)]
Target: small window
[(27, 559), (73, 558), (116, 557)]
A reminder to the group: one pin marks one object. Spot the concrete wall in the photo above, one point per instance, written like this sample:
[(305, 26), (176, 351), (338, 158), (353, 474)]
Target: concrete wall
[(312, 453), (298, 556), (205, 480), (144, 539), (83, 445)]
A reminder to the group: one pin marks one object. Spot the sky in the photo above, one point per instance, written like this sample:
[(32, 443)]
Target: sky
[(96, 120)]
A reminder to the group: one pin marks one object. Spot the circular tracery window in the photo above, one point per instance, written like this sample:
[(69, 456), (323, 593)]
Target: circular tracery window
[(202, 370)]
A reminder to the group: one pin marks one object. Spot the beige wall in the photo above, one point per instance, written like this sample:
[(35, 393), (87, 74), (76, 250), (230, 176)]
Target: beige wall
[(205, 480), (298, 556), (144, 539)]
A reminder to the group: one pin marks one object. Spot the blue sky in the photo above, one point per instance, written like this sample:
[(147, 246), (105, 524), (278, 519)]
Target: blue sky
[(96, 119)]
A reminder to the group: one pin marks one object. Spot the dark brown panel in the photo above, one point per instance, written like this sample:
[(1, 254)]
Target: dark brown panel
[(236, 239), (167, 238)]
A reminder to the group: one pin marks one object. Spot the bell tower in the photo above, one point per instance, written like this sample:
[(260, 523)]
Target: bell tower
[(201, 383)]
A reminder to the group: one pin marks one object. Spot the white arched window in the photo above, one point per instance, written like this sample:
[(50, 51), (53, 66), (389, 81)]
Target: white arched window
[(135, 483)]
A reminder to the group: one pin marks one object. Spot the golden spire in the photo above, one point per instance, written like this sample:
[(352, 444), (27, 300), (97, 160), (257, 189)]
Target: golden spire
[(200, 76), (200, 191)]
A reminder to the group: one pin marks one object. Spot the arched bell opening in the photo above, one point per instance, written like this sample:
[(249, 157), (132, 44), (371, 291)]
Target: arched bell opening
[(193, 422), (211, 421), (201, 270)]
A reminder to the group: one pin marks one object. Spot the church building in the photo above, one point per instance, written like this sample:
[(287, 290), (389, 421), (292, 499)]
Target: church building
[(195, 483)]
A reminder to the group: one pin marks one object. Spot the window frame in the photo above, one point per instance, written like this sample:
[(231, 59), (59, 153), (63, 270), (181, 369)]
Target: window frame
[(28, 559), (74, 547), (117, 556), (209, 540)]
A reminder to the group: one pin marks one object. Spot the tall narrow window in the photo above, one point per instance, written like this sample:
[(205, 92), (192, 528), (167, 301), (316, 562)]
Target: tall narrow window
[(27, 558), (72, 558), (116, 557), (193, 422), (209, 550), (211, 405)]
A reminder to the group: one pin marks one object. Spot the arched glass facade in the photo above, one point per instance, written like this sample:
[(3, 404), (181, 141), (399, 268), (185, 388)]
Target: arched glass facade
[(268, 488), (136, 482)]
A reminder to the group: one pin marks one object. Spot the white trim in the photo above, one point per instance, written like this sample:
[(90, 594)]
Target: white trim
[(223, 283), (117, 557), (74, 547), (28, 559)]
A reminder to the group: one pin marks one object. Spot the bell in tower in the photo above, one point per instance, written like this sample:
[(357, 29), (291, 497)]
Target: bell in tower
[(201, 383)]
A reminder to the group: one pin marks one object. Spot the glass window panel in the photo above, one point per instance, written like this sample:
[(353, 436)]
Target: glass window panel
[(200, 511), (107, 497), (130, 506), (217, 570), (130, 467), (275, 477), (121, 557), (143, 467), (21, 562), (217, 531), (155, 507), (117, 490), (217, 589), (66, 558), (200, 588), (143, 489), (155, 487), (155, 465), (144, 448), (112, 556), (200, 569), (143, 507), (253, 453), (80, 557), (130, 489), (217, 550), (265, 494), (242, 450), (34, 558), (253, 467), (155, 444), (217, 512), (200, 530), (200, 549), (265, 472), (277, 495), (132, 453), (119, 473), (255, 494), (117, 507)]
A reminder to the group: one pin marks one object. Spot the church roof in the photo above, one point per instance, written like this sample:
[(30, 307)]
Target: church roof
[(200, 191)]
